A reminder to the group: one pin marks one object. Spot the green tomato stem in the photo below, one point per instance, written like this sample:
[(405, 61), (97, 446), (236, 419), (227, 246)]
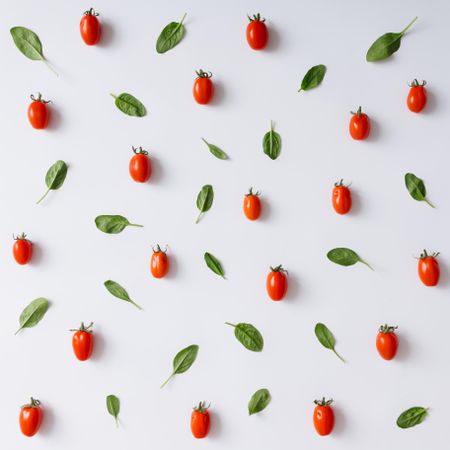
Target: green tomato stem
[(165, 382), (409, 26), (339, 356), (42, 198)]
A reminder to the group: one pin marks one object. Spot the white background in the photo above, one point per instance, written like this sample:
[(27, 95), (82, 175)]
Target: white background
[(134, 349)]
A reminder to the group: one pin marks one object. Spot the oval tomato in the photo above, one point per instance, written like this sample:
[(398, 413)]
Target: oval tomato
[(252, 205), (203, 87), (159, 263), (83, 342), (38, 112), (428, 268), (277, 283), (359, 126), (200, 420), (387, 342), (140, 166), (22, 249), (30, 417), (90, 28), (257, 34), (323, 416), (342, 198), (417, 97)]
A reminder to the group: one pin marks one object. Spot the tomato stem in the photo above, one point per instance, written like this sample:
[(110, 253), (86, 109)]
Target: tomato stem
[(409, 26), (42, 198)]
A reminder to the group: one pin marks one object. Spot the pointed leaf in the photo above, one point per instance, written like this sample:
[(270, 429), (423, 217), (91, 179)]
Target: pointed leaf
[(205, 200), (213, 263), (313, 77), (170, 36), (416, 188), (259, 401), (216, 151), (27, 42), (248, 336), (412, 417), (118, 291), (129, 105), (113, 406), (33, 313), (113, 224), (272, 143), (183, 361)]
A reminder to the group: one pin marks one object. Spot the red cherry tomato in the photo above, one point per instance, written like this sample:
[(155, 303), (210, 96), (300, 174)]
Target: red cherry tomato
[(359, 125), (257, 34), (277, 283), (387, 342), (38, 112), (252, 205), (417, 97), (22, 249), (428, 268), (30, 417), (83, 342), (200, 421), (342, 198), (140, 165), (323, 417), (90, 28), (203, 87), (159, 263)]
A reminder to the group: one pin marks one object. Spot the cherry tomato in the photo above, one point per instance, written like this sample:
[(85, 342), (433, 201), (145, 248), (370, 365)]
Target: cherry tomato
[(252, 205), (387, 342), (323, 416), (417, 97), (428, 268), (359, 125), (203, 87), (90, 28), (22, 249), (159, 263), (38, 112), (83, 342), (257, 34), (30, 417), (140, 165), (342, 198), (277, 283), (200, 420)]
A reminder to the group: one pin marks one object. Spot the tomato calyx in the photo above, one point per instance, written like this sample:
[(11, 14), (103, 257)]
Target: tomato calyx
[(83, 327), (256, 18), (139, 150), (158, 249), (425, 254), (91, 12), (279, 268), (415, 83), (358, 112), (202, 74), (323, 402), (201, 407), (39, 98), (251, 192), (387, 329), (34, 403), (340, 183), (20, 237)]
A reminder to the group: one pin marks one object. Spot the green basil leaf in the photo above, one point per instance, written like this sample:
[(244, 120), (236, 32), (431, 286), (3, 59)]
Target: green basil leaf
[(259, 401), (272, 143), (213, 263), (345, 257), (386, 45), (205, 200), (313, 77), (216, 151), (33, 313), (113, 224), (326, 338), (416, 188), (248, 336), (55, 177), (412, 417), (113, 406), (118, 291), (129, 105), (170, 36), (183, 361)]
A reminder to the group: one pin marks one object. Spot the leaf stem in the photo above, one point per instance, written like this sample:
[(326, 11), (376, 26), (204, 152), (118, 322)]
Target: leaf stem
[(50, 66), (184, 16), (409, 26), (42, 198), (428, 202), (113, 96), (367, 264), (198, 218), (339, 356), (137, 306), (117, 421), (231, 325), (135, 225), (18, 331), (168, 379)]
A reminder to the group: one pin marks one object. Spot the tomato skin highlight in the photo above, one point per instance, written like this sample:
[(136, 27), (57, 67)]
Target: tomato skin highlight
[(83, 342), (257, 33), (428, 269), (341, 198), (90, 28), (387, 342), (159, 263), (359, 126), (417, 96), (140, 166), (203, 89), (30, 418), (323, 417), (22, 249), (252, 205), (38, 112), (200, 421), (277, 283)]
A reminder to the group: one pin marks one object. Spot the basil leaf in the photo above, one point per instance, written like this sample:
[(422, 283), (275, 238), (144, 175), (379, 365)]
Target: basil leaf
[(313, 77), (259, 401), (213, 263), (272, 143), (113, 224), (326, 338), (118, 291), (129, 105), (386, 45), (205, 200), (412, 417), (416, 188), (113, 406), (170, 36), (55, 177), (248, 336), (183, 361), (216, 151), (345, 257), (33, 313)]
